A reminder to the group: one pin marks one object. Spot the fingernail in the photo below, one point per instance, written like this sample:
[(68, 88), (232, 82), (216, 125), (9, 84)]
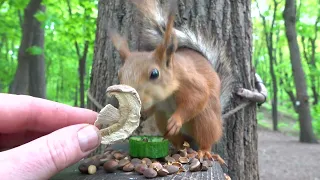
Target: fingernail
[(88, 138)]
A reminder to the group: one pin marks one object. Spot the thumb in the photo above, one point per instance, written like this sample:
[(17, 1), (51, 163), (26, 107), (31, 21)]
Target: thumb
[(46, 156)]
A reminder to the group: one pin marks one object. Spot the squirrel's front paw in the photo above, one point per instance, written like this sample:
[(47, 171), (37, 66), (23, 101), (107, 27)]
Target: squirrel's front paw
[(174, 126)]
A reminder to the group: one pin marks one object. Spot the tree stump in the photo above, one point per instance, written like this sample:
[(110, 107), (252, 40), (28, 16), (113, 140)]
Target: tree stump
[(213, 173)]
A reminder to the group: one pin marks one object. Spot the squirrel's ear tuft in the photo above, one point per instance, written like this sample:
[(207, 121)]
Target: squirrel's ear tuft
[(172, 47), (167, 48), (120, 44), (164, 52)]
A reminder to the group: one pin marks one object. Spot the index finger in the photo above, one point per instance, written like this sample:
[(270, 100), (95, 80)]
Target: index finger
[(22, 112)]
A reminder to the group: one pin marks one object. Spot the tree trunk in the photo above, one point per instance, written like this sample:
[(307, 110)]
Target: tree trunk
[(7, 52), (268, 33), (20, 83), (82, 62), (3, 44), (313, 66), (275, 94), (76, 96), (287, 87), (306, 133), (230, 21), (82, 72), (311, 60), (37, 74), (314, 91)]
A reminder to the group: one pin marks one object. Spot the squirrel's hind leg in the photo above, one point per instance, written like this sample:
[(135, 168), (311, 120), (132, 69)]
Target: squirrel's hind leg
[(202, 154), (206, 130)]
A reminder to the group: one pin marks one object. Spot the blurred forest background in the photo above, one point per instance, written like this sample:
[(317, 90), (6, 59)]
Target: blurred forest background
[(46, 50)]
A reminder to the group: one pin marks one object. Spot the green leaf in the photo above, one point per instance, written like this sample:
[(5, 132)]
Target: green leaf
[(35, 50), (18, 4), (41, 16)]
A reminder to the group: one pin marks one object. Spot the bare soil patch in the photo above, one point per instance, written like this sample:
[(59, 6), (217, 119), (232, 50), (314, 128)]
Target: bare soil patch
[(284, 157)]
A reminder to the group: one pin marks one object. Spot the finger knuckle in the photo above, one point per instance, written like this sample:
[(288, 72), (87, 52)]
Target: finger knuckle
[(57, 153)]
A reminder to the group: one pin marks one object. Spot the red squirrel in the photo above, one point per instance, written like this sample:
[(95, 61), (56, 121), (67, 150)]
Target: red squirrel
[(184, 81)]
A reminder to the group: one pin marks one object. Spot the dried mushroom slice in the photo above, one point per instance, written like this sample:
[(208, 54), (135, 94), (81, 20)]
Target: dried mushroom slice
[(119, 124)]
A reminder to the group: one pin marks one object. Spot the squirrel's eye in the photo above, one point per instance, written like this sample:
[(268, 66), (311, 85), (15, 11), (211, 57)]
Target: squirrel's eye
[(154, 74)]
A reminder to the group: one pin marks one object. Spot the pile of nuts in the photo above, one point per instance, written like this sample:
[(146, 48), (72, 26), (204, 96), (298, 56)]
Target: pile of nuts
[(113, 160)]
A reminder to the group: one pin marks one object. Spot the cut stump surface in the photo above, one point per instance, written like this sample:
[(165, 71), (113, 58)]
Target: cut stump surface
[(213, 173)]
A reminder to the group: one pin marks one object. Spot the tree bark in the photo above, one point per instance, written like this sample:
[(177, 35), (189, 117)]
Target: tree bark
[(230, 21), (20, 83), (37, 69), (306, 132)]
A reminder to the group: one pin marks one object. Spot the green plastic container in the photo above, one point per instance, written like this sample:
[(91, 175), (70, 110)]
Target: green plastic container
[(148, 146)]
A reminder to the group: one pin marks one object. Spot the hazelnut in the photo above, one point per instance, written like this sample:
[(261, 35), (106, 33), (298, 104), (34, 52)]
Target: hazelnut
[(128, 167), (150, 173), (110, 166)]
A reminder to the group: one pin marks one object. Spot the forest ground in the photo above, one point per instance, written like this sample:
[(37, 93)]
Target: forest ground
[(282, 157)]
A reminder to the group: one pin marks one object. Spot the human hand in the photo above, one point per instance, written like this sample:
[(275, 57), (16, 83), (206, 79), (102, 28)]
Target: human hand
[(45, 136)]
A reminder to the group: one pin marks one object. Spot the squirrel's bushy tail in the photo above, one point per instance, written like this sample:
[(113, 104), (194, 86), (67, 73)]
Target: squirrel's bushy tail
[(200, 40)]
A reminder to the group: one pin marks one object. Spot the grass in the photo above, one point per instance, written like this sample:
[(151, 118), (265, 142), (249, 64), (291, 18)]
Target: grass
[(287, 120)]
